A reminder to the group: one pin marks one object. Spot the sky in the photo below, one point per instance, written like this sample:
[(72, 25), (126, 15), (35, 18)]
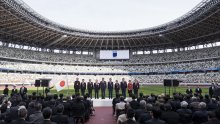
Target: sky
[(111, 15)]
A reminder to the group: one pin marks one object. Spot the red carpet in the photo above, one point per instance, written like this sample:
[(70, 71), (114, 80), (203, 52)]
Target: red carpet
[(103, 115)]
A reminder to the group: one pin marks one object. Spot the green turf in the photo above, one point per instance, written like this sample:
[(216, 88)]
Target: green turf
[(144, 89)]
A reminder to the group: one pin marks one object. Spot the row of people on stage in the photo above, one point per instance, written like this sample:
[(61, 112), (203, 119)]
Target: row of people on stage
[(103, 85), (198, 90), (23, 91)]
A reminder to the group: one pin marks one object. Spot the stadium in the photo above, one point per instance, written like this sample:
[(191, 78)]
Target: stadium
[(186, 49)]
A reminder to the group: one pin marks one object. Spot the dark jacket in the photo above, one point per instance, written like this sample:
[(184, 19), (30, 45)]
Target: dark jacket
[(199, 117), (155, 121), (170, 117), (185, 115), (47, 122), (110, 85), (37, 117), (60, 119), (19, 121)]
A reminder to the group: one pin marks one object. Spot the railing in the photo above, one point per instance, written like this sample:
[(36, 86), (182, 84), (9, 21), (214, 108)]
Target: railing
[(23, 8)]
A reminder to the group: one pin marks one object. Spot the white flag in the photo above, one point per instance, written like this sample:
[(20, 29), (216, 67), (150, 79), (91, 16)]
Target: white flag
[(60, 85)]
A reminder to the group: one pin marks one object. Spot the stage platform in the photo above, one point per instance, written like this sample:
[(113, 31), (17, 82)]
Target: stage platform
[(102, 102)]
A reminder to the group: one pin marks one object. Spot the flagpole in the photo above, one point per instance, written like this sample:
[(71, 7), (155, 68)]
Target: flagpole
[(67, 82)]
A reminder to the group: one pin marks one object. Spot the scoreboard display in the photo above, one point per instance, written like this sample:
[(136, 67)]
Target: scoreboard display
[(114, 54)]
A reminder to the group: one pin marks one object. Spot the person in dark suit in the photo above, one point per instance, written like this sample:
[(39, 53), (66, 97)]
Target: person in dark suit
[(103, 88), (83, 87), (37, 117), (47, 90), (136, 87), (14, 91), (155, 117), (47, 113), (198, 91), (23, 91), (59, 118), (169, 116), (110, 88), (117, 87), (96, 88), (123, 85), (22, 114), (130, 115), (200, 116), (189, 91), (90, 88), (134, 104), (77, 86), (5, 91), (211, 90)]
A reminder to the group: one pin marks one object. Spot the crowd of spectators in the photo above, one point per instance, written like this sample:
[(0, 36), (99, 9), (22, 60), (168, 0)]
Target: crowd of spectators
[(190, 78), (52, 109), (163, 109), (78, 58), (167, 67)]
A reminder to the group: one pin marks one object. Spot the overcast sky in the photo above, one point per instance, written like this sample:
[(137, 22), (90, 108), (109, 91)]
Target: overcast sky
[(112, 15)]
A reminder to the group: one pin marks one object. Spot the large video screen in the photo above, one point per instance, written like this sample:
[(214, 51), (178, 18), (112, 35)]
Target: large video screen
[(114, 54)]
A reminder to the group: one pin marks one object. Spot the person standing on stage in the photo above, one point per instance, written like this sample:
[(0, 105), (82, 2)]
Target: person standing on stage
[(23, 91), (83, 87), (90, 88), (14, 91), (77, 86), (123, 87), (103, 88), (198, 91), (136, 87), (130, 87), (47, 90), (211, 90), (189, 91), (5, 91), (110, 88), (96, 88), (117, 87)]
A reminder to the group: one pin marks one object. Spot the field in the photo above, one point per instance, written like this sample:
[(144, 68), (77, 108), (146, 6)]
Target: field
[(144, 89)]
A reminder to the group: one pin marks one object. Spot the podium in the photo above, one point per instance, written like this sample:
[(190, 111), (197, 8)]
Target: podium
[(171, 84)]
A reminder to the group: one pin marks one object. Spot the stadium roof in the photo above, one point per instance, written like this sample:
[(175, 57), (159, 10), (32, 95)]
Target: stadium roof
[(21, 25)]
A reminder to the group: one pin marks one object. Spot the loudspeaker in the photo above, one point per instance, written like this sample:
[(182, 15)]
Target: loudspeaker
[(176, 83), (37, 83), (45, 82), (217, 92), (167, 83), (171, 82)]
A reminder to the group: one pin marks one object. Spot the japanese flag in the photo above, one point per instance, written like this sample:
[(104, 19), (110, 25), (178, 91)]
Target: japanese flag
[(60, 85)]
